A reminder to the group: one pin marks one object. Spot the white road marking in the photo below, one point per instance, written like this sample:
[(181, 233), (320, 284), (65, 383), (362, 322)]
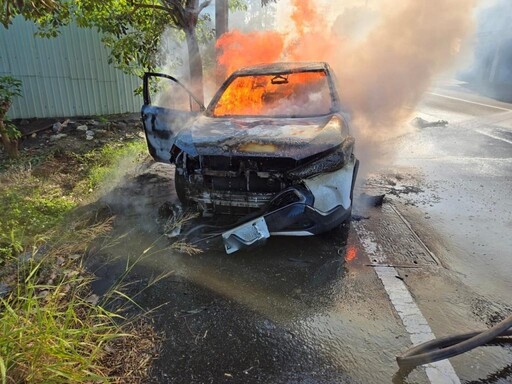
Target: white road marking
[(493, 136), (470, 102), (440, 372)]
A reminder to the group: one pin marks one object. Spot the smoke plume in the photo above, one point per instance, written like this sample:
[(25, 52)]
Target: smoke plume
[(385, 58)]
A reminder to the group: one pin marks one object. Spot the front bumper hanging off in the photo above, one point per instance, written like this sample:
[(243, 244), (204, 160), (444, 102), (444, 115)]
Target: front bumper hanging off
[(320, 205)]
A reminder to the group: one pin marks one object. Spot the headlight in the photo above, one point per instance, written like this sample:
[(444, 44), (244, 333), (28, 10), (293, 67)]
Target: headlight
[(329, 163)]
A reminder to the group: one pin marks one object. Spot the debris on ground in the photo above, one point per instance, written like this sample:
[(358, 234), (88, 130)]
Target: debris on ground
[(405, 190), (58, 136), (371, 201), (89, 135), (130, 358), (57, 127), (80, 134), (422, 123), (357, 217), (172, 217)]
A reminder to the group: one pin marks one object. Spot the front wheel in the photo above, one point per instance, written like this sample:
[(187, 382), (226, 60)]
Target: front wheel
[(181, 189)]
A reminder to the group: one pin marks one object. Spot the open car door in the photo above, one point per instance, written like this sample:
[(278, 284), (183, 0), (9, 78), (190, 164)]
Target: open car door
[(172, 108)]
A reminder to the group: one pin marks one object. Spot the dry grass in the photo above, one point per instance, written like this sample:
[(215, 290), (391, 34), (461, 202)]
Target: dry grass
[(174, 225), (16, 174), (129, 358), (186, 248)]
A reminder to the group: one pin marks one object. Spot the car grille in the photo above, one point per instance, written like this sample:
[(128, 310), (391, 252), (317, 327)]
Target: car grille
[(259, 163)]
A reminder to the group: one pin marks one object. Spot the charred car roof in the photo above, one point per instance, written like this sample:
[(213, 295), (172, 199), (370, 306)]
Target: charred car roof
[(276, 68)]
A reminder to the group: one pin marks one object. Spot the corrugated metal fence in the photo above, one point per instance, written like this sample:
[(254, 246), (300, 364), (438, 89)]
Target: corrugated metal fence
[(64, 76)]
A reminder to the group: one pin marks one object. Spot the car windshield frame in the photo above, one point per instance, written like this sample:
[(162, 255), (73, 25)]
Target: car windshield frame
[(334, 107)]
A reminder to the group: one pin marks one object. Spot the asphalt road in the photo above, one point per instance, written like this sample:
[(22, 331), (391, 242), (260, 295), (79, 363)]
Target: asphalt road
[(468, 164), (338, 308)]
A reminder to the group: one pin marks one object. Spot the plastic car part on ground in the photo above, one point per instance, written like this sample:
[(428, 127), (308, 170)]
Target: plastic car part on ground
[(245, 235)]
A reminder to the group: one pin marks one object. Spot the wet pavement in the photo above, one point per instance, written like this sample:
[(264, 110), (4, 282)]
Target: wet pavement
[(468, 165), (313, 310), (284, 313)]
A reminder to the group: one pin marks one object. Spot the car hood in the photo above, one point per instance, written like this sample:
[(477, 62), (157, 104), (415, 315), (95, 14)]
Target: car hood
[(296, 138)]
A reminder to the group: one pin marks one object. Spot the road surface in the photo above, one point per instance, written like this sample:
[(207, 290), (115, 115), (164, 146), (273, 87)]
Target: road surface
[(432, 261)]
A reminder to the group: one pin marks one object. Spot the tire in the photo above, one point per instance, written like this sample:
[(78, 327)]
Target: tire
[(181, 190)]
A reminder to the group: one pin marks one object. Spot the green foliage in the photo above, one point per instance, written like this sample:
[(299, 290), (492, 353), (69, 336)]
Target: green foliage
[(237, 5), (32, 211), (132, 30), (9, 88), (12, 131), (132, 35), (105, 164), (47, 13)]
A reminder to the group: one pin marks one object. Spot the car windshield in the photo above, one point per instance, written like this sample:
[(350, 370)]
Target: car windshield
[(298, 94)]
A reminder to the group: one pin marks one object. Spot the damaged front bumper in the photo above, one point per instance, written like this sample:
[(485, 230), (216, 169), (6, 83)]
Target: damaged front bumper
[(319, 204)]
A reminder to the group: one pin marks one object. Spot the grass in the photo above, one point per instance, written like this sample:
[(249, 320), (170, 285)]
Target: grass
[(52, 328), (51, 333), (175, 223), (38, 198), (110, 162), (31, 211)]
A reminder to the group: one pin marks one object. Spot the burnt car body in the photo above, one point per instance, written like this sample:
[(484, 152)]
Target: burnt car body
[(273, 147)]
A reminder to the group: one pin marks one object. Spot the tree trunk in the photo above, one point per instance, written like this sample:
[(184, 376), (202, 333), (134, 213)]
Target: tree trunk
[(10, 145), (221, 27), (195, 63), (221, 18)]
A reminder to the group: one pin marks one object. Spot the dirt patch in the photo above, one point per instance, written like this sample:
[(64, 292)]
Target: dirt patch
[(79, 135)]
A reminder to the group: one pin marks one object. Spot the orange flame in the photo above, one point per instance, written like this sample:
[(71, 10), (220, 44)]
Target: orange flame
[(308, 42), (259, 95), (237, 50), (245, 49), (351, 254), (304, 16), (382, 72)]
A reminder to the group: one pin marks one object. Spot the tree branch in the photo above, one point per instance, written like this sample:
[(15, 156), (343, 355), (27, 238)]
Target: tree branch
[(203, 6), (136, 7), (175, 13), (179, 11)]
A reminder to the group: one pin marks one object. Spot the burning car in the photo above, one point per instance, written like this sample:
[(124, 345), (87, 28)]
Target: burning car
[(273, 147)]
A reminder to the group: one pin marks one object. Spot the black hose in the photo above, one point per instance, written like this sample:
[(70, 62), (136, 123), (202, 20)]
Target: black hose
[(443, 348)]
